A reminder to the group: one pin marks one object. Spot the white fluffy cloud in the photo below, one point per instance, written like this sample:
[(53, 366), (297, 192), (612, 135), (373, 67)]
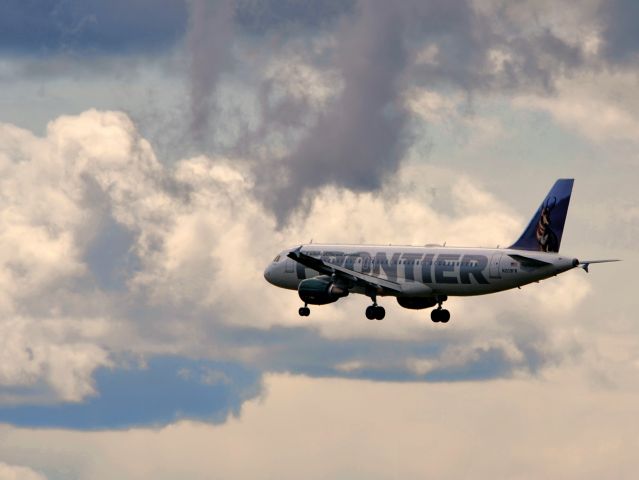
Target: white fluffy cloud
[(197, 240), (16, 472), (599, 106)]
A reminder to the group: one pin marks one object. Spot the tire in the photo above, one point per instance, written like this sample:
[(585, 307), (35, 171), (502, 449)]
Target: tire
[(380, 313), (445, 316), (370, 312), (434, 315)]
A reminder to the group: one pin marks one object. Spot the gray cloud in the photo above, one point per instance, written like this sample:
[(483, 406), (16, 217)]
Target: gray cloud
[(209, 41), (261, 16), (364, 132), (451, 356), (620, 33), (359, 138), (359, 135)]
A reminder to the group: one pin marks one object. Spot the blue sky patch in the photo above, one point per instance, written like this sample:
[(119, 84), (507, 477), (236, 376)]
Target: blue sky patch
[(165, 390)]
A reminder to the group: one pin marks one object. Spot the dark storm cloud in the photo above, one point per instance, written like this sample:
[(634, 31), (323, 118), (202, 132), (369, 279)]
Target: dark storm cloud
[(620, 32), (87, 26)]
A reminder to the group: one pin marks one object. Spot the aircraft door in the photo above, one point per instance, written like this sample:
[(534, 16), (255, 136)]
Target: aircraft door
[(495, 261), (289, 266)]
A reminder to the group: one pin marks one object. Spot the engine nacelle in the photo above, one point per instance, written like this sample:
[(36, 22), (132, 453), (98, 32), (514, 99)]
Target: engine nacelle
[(320, 290), (417, 303)]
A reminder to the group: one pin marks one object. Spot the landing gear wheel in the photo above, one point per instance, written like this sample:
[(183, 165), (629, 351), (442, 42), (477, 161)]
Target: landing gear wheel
[(304, 311), (440, 315), (380, 313), (370, 312)]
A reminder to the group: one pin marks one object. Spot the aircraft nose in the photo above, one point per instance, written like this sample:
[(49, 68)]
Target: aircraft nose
[(268, 273)]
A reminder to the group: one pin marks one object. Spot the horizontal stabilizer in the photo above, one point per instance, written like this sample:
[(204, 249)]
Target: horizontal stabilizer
[(587, 263), (528, 261)]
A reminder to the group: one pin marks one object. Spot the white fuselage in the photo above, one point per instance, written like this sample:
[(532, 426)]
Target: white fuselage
[(427, 271)]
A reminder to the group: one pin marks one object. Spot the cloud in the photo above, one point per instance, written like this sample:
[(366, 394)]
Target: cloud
[(597, 106), (621, 41), (209, 43), (365, 56), (422, 432), (16, 472), (365, 123), (361, 135), (167, 260), (262, 16), (41, 361)]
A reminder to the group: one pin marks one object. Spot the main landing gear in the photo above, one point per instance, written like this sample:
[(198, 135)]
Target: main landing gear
[(374, 311), (304, 311), (440, 314)]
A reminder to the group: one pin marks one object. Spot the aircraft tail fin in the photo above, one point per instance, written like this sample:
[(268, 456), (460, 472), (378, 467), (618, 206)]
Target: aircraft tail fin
[(543, 233)]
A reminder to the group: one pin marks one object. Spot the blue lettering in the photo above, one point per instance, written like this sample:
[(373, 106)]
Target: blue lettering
[(366, 262), (445, 263), (427, 265), (409, 265), (473, 265), (335, 258), (389, 267)]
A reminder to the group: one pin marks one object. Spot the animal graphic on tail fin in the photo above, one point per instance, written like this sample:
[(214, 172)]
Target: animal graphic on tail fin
[(543, 233)]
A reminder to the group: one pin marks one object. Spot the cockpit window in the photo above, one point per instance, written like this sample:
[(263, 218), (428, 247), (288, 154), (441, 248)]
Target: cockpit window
[(276, 259)]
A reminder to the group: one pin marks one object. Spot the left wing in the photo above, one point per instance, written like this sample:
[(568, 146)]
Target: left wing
[(329, 269)]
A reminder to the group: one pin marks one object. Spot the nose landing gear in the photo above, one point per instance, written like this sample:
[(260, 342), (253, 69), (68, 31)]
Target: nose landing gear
[(304, 311)]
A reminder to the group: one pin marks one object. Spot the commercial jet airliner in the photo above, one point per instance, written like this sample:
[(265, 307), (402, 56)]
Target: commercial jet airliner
[(422, 277)]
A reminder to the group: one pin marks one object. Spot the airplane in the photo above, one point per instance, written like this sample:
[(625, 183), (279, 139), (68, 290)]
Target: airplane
[(421, 277)]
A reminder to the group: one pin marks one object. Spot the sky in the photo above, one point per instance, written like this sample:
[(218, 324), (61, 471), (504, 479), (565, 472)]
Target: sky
[(156, 155)]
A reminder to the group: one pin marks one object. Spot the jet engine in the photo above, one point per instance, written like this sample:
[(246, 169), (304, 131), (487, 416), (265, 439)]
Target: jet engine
[(320, 290), (417, 303)]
